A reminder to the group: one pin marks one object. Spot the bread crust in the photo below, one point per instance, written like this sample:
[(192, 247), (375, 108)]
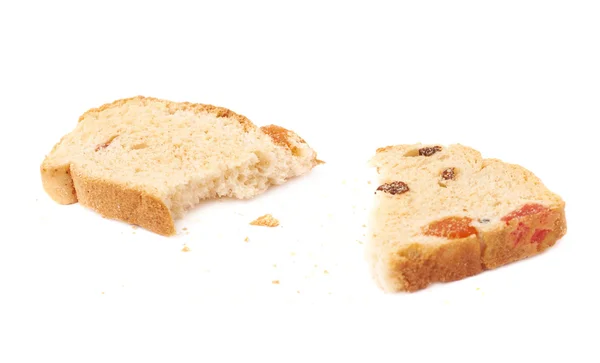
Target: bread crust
[(120, 202), (416, 266), (58, 183), (174, 107)]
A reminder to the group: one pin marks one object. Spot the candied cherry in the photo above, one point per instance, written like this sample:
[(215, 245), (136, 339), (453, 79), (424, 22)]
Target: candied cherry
[(526, 210)]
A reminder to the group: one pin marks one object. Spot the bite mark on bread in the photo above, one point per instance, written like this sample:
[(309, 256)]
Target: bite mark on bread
[(83, 162)]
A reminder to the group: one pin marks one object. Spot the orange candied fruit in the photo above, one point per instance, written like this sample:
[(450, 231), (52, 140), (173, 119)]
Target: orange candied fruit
[(451, 228), (526, 210)]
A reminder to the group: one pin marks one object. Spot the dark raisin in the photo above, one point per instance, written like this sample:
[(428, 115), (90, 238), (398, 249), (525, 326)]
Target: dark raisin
[(428, 151), (396, 187), (484, 220), (448, 174)]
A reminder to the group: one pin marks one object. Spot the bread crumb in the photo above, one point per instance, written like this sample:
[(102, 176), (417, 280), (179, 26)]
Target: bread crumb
[(297, 291), (102, 292), (275, 282), (292, 254), (369, 182), (267, 221), (184, 229), (185, 249), (274, 265), (246, 239), (326, 272), (364, 225), (134, 226), (359, 242), (477, 288)]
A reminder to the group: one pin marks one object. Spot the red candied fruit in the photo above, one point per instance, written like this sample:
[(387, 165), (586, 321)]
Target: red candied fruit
[(526, 210), (539, 235), (451, 228), (518, 234)]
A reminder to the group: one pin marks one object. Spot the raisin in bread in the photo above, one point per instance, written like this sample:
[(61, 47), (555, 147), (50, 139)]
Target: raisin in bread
[(444, 213), (146, 161)]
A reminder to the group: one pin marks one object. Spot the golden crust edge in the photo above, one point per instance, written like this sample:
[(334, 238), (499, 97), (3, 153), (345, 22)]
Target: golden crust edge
[(405, 273), (120, 202)]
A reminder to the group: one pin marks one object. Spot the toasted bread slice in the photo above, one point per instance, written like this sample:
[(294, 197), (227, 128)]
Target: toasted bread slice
[(444, 213), (146, 161)]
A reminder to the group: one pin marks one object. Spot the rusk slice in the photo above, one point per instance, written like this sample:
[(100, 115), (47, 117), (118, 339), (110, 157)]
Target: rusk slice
[(442, 213), (146, 161)]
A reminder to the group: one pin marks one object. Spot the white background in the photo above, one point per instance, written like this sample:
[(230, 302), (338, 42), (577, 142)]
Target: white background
[(517, 80)]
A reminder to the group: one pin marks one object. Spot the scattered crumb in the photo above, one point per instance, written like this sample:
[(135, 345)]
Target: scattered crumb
[(246, 239), (353, 207), (275, 265), (369, 182), (326, 272), (292, 254), (297, 291), (267, 221), (364, 225), (359, 242), (329, 293), (275, 282), (477, 289), (185, 249), (134, 226), (133, 232), (184, 229), (102, 292), (316, 266)]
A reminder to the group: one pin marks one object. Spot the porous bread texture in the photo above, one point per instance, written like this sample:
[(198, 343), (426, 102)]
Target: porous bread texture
[(487, 192), (146, 161)]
